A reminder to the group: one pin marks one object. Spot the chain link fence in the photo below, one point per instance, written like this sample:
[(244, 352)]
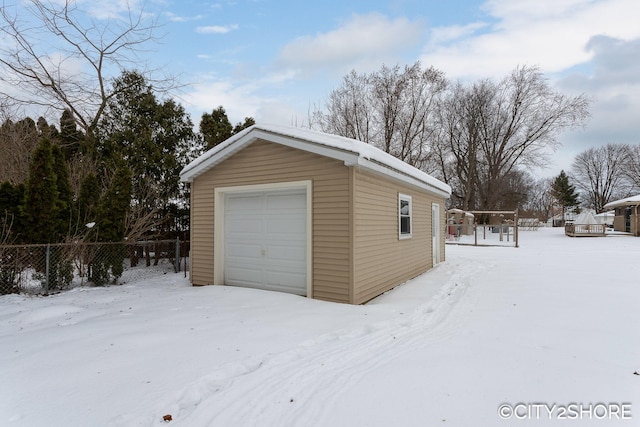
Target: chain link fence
[(42, 269)]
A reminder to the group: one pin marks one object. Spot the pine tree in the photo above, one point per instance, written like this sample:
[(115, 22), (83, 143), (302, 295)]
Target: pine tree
[(154, 138), (71, 140), (42, 203), (215, 127), (88, 199), (564, 192), (111, 215), (65, 195), (44, 211), (239, 127), (11, 199), (112, 210)]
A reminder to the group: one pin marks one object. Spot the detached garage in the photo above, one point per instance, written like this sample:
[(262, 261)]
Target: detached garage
[(299, 211)]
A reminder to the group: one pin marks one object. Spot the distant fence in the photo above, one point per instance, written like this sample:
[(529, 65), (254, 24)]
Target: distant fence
[(42, 269), (482, 234), (581, 230), (530, 224)]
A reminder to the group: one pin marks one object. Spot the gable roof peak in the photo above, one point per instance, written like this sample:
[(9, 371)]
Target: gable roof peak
[(351, 151)]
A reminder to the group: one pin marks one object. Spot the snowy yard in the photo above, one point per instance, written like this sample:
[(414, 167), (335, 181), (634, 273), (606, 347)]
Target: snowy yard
[(492, 333)]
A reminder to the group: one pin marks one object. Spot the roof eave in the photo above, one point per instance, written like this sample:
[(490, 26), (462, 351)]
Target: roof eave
[(350, 158), (443, 191), (613, 205)]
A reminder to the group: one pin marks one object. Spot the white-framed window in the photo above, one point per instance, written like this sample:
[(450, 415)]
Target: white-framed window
[(404, 216)]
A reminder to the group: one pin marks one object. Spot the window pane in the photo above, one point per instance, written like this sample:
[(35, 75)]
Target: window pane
[(404, 207), (404, 216), (405, 225)]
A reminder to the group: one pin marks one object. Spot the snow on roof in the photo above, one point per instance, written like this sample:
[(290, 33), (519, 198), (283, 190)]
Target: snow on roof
[(351, 151), (629, 201)]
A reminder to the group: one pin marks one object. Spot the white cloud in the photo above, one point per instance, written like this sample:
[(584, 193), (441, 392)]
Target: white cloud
[(613, 81), (362, 38), (280, 112), (112, 9), (177, 18), (238, 99), (246, 97), (217, 29), (549, 33), (451, 33)]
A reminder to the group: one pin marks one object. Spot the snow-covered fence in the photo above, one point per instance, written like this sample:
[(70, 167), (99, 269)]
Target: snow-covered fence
[(482, 235), (491, 228), (52, 267)]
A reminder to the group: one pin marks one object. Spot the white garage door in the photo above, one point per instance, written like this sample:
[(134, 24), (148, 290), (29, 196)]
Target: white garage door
[(265, 240)]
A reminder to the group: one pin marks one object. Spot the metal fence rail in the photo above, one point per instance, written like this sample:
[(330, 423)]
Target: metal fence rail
[(482, 234), (42, 269)]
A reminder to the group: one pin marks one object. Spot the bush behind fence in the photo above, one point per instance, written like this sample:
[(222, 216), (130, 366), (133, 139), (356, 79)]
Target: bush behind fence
[(42, 269)]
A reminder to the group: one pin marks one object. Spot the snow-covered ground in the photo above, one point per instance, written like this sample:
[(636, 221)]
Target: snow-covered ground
[(493, 336)]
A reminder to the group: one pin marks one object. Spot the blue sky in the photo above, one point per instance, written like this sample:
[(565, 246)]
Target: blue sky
[(275, 59)]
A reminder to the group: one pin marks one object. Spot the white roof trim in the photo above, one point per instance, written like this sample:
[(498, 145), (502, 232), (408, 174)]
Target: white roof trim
[(629, 201), (349, 151)]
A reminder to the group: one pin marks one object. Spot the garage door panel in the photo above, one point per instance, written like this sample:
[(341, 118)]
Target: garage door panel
[(265, 240), (289, 253), (243, 276), (244, 226), (290, 201), (243, 202), (285, 282), (286, 225), (245, 251)]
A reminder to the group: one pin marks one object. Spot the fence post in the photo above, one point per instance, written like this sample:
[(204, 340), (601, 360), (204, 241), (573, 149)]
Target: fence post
[(475, 234), (176, 261), (186, 253), (47, 256), (515, 231)]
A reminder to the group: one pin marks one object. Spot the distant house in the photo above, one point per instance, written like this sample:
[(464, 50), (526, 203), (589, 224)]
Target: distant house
[(627, 214), (294, 210), (606, 218)]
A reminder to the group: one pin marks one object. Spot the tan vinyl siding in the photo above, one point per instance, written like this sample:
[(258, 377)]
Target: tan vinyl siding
[(619, 223), (381, 259), (201, 233), (264, 162)]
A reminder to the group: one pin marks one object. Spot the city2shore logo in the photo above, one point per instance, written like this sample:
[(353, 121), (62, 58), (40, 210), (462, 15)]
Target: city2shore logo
[(570, 411)]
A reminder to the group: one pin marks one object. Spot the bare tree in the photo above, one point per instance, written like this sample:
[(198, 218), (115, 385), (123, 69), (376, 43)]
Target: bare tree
[(505, 126), (17, 142), (540, 201), (348, 110), (406, 103), (459, 137), (393, 109), (58, 56), (632, 167), (599, 173)]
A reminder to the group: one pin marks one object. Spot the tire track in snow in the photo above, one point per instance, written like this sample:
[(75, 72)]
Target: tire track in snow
[(286, 389)]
